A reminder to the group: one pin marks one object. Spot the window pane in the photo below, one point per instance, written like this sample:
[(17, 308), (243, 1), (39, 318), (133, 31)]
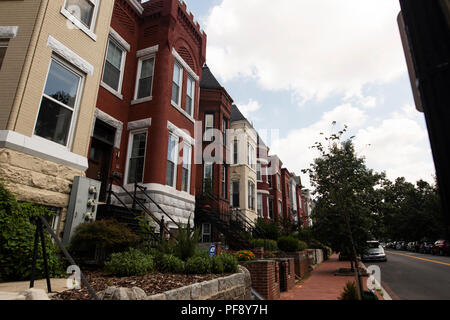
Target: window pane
[(62, 84), (207, 177), (111, 76), (236, 197), (175, 93), (145, 88), (170, 173), (114, 55), (171, 160), (83, 10), (53, 122), (136, 166), (176, 84)]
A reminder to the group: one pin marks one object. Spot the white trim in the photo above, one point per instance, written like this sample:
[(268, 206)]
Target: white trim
[(113, 122), (129, 149), (263, 192), (262, 161), (137, 6), (167, 190), (139, 124), (69, 55), (189, 146), (138, 78), (194, 86), (180, 133), (147, 51), (89, 31), (185, 65), (183, 111), (175, 159), (42, 148), (118, 92), (8, 32), (122, 42), (180, 85)]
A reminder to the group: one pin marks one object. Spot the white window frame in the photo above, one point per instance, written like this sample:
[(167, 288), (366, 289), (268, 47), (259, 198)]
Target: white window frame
[(178, 105), (137, 100), (192, 95), (251, 156), (118, 92), (251, 195), (177, 142), (209, 131), (259, 205), (187, 147), (130, 147), (88, 30), (76, 106), (259, 172)]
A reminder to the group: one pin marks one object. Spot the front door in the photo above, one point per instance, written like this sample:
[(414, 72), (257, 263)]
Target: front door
[(100, 156)]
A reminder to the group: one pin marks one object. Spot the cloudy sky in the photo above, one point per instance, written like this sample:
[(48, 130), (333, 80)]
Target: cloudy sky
[(297, 66)]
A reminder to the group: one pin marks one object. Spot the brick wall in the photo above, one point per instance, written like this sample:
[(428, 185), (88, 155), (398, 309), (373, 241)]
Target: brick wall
[(265, 278), (301, 262)]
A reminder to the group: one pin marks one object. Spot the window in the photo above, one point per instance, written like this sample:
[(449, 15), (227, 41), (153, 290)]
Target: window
[(137, 158), (259, 205), (114, 66), (209, 126), (280, 208), (224, 131), (176, 84), (224, 182), (235, 195), (251, 156), (144, 80), (171, 161), (3, 47), (278, 182), (270, 205), (206, 232), (61, 97), (269, 181), (235, 151), (251, 195), (258, 172), (186, 171), (190, 96), (83, 10), (208, 178)]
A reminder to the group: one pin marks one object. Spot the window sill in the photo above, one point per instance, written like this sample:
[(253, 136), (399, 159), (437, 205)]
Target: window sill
[(78, 24), (141, 100), (187, 115), (111, 90)]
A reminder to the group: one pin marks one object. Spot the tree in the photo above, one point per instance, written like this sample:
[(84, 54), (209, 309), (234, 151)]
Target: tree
[(346, 196)]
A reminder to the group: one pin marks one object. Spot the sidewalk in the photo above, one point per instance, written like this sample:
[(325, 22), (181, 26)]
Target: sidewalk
[(322, 283), (9, 290)]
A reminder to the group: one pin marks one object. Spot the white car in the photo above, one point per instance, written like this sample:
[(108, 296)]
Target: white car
[(374, 252)]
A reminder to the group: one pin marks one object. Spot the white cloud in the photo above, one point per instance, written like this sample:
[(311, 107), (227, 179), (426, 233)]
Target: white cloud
[(398, 145), (249, 108), (314, 48)]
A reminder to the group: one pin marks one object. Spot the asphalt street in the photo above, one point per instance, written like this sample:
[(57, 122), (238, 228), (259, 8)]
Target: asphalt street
[(415, 276)]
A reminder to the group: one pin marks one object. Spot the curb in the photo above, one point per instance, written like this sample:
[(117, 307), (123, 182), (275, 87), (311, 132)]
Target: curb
[(386, 295)]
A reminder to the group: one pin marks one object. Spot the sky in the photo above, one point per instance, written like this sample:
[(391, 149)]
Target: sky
[(297, 66)]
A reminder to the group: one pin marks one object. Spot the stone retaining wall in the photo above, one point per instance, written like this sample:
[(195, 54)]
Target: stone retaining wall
[(234, 287)]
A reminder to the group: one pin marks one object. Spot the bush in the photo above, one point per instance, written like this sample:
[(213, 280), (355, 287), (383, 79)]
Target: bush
[(109, 236), (268, 230), (288, 244), (245, 255), (217, 266), (169, 263), (17, 240), (186, 246), (302, 246), (198, 265), (350, 292), (130, 263), (267, 244), (229, 261)]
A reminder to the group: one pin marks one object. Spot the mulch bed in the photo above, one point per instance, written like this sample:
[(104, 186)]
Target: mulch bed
[(154, 283)]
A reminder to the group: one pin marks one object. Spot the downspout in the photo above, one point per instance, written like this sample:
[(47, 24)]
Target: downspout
[(29, 58)]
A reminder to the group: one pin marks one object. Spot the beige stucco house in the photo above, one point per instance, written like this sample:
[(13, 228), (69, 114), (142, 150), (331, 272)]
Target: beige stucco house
[(243, 190), (51, 59)]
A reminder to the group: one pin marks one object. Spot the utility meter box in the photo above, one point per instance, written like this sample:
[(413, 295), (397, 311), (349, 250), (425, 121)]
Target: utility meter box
[(82, 205)]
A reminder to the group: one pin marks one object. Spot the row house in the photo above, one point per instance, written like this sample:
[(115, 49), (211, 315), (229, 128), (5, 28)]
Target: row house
[(243, 177), (148, 103), (262, 177), (51, 61), (275, 191), (212, 174)]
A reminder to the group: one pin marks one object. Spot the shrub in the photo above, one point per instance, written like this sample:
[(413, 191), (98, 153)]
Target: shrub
[(17, 240), (186, 246), (169, 263), (302, 246), (245, 255), (268, 230), (217, 266), (229, 261), (130, 263), (267, 244), (350, 292), (109, 236), (288, 244), (198, 265)]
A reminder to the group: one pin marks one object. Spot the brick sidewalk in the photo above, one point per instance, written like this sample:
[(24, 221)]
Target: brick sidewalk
[(322, 283)]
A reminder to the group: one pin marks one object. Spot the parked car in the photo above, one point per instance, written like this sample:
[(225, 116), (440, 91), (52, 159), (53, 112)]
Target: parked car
[(425, 247), (410, 246), (441, 247), (374, 252), (417, 246), (401, 245)]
